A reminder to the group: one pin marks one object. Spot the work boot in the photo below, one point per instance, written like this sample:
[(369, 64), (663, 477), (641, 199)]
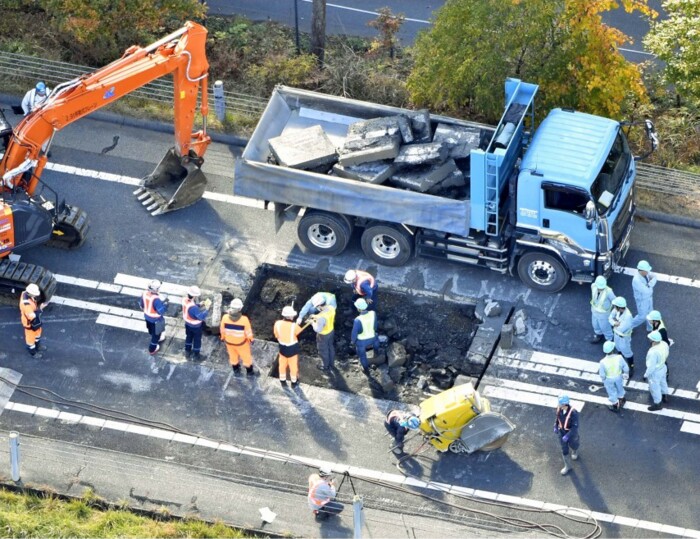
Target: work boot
[(621, 402), (40, 347), (654, 407), (664, 399), (567, 465), (155, 351), (250, 371), (614, 407), (596, 339), (196, 356), (283, 383), (236, 369), (188, 354), (35, 354), (631, 364), (574, 455), (295, 383)]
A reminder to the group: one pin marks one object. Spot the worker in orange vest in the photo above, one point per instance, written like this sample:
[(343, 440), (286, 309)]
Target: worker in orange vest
[(154, 307), (322, 494), (287, 332), (364, 286), (236, 332), (30, 314)]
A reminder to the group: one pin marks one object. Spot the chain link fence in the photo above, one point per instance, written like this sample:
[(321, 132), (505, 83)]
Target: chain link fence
[(681, 188)]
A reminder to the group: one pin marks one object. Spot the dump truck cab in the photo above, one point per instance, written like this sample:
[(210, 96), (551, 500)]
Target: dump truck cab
[(575, 198)]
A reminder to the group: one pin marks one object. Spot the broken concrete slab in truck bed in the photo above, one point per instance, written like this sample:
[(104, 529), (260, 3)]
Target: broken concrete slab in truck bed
[(383, 125), (377, 172), (305, 149), (422, 179), (459, 141), (431, 153), (387, 148)]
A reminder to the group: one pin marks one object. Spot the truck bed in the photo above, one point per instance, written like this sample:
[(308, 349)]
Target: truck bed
[(291, 109)]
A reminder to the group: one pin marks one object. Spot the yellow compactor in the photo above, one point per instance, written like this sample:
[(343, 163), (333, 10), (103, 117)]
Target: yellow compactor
[(461, 421)]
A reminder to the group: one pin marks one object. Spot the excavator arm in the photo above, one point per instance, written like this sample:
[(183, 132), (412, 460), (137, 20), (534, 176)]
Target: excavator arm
[(181, 54)]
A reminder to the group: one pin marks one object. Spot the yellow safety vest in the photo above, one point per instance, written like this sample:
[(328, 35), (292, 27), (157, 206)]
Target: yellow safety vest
[(367, 321), (328, 314), (598, 301), (611, 364)]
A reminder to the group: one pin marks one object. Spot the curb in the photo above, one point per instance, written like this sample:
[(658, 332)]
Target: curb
[(679, 220)]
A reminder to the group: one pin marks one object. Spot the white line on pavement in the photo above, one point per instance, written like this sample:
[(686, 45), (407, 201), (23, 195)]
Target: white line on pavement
[(410, 482), (665, 278), (368, 12)]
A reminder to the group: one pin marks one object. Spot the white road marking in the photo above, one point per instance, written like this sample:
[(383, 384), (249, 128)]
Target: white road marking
[(368, 12), (665, 278), (139, 430)]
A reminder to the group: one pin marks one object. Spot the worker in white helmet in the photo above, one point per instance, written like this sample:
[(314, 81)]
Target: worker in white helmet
[(621, 322), (364, 286), (602, 297), (154, 307), (643, 284), (194, 313), (287, 332), (235, 330), (30, 314)]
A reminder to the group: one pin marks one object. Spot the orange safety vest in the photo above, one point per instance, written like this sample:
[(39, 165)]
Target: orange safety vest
[(27, 308), (286, 332), (191, 320), (236, 332), (363, 276), (314, 482), (394, 414), (149, 308), (565, 426)]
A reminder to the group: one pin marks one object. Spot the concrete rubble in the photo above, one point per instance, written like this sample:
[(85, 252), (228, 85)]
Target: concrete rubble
[(377, 172), (424, 179), (431, 153), (305, 149), (459, 141)]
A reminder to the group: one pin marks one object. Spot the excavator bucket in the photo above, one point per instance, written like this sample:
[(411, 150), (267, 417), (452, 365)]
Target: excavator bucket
[(486, 432), (177, 182)]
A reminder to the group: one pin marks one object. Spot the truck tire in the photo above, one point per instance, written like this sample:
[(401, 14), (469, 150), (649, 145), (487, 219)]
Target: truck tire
[(387, 245), (324, 233), (542, 271)]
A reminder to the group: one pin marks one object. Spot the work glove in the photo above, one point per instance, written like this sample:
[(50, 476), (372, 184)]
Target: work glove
[(206, 304), (565, 438), (556, 429), (299, 321), (165, 299), (369, 301), (671, 341)]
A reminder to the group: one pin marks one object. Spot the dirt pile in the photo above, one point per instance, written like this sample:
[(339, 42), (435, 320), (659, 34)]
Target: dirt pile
[(427, 338)]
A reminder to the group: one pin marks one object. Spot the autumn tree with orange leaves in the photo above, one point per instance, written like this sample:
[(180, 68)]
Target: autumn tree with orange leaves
[(562, 45)]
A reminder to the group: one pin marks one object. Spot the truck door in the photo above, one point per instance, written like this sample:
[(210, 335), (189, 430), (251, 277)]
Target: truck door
[(562, 214)]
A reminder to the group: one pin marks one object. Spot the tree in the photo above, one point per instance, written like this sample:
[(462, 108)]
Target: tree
[(388, 25), (562, 45), (100, 30), (318, 29), (676, 41)]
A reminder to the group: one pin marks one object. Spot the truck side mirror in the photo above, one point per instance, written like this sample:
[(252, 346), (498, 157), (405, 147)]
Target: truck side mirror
[(589, 214)]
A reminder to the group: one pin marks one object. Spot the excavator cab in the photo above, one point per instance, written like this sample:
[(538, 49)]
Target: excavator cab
[(177, 182)]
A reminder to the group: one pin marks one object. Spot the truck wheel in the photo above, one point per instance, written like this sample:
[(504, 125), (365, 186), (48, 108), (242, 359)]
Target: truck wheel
[(324, 233), (387, 245), (542, 272)]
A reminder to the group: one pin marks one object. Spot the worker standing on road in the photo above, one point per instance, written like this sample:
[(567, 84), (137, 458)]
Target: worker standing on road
[(154, 307), (364, 286), (322, 494), (657, 324), (313, 306), (236, 332), (656, 370), (30, 314), (643, 284), (364, 332), (621, 322), (323, 324), (601, 305), (612, 368), (194, 314), (286, 332), (35, 97), (398, 423), (566, 426)]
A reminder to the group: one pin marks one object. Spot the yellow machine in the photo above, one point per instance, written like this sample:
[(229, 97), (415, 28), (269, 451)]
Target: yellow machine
[(461, 421)]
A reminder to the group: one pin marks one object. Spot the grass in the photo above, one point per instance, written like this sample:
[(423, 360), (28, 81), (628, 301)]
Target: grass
[(29, 515)]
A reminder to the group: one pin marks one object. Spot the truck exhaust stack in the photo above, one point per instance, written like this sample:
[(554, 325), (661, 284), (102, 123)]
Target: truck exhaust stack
[(177, 182)]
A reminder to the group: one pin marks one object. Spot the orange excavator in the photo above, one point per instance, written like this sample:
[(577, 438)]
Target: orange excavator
[(31, 213)]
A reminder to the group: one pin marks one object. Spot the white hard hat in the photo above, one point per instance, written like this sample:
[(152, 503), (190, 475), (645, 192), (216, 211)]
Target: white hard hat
[(317, 299), (608, 347), (33, 290), (236, 305), (154, 285), (619, 301), (289, 312), (361, 304), (644, 266), (325, 471), (654, 336), (194, 291), (350, 276), (601, 282)]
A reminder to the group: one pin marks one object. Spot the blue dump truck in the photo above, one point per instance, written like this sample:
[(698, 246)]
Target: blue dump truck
[(553, 205)]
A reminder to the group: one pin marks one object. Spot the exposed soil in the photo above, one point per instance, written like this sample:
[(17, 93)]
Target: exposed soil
[(434, 333)]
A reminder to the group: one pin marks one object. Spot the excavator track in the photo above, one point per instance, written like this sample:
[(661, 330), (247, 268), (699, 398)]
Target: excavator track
[(70, 229), (15, 276)]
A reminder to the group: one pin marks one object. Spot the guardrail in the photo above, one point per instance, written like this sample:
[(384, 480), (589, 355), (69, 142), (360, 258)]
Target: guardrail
[(30, 69)]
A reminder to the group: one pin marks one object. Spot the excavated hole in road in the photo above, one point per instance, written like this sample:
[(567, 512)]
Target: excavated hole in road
[(435, 335)]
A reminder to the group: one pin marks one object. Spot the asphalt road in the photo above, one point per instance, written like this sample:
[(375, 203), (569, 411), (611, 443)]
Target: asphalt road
[(351, 18), (639, 466)]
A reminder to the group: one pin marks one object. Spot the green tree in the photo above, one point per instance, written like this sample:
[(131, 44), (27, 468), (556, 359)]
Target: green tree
[(676, 41), (563, 45), (388, 25), (100, 30)]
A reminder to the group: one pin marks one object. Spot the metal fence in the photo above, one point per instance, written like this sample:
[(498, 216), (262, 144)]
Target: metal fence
[(31, 69)]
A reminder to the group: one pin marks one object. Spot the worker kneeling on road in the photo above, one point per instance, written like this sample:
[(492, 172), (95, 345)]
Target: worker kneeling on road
[(194, 314), (398, 423), (30, 313), (364, 333), (236, 332), (322, 495), (364, 286), (287, 334)]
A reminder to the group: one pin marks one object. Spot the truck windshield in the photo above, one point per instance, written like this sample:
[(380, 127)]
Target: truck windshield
[(607, 185)]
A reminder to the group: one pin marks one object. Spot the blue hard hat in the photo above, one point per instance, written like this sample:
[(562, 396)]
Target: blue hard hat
[(413, 422), (564, 399), (608, 347), (601, 282), (654, 316), (41, 87), (644, 266), (654, 336), (619, 301)]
